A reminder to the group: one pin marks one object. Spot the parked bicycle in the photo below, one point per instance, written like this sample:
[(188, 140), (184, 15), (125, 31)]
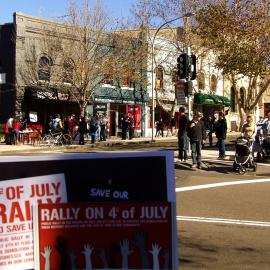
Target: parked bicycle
[(57, 138)]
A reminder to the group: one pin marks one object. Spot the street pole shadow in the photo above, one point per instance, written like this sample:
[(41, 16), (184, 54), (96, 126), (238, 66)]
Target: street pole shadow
[(219, 167)]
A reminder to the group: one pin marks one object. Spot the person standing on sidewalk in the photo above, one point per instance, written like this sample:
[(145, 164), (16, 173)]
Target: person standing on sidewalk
[(221, 133), (197, 136), (182, 135)]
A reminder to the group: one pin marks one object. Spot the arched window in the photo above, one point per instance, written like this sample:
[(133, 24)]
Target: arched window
[(174, 76), (242, 96), (67, 72), (201, 81), (159, 77), (233, 108), (44, 68), (213, 84)]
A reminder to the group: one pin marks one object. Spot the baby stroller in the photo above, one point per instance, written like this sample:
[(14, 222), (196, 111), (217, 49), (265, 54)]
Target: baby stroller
[(243, 156)]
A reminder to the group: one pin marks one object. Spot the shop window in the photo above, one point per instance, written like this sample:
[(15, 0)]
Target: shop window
[(44, 68), (108, 79), (233, 108), (201, 81), (159, 77), (213, 84)]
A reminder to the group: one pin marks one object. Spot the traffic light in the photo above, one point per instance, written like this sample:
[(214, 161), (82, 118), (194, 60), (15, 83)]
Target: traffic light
[(183, 66), (193, 67)]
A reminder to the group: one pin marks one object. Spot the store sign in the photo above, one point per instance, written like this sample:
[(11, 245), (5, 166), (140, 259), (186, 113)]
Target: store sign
[(33, 117), (119, 186), (54, 94), (180, 92), (100, 108)]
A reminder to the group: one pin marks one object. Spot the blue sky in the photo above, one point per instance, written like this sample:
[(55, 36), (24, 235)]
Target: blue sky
[(55, 8)]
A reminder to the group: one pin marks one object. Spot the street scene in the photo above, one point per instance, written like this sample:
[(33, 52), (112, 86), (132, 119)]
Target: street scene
[(124, 119), (222, 216)]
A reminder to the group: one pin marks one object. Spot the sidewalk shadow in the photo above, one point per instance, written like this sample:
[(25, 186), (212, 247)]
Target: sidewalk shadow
[(219, 167)]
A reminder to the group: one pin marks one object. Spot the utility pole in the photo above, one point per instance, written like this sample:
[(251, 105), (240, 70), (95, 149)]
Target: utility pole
[(187, 50), (185, 16)]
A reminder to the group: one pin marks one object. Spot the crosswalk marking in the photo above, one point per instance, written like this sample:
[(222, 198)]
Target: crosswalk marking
[(214, 185), (224, 221)]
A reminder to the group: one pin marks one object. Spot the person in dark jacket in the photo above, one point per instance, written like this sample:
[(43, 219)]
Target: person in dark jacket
[(209, 127), (82, 130), (182, 135), (172, 125), (221, 132), (197, 136)]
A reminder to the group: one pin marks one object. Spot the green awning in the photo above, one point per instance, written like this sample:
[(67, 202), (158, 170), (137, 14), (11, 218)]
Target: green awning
[(200, 98), (117, 95)]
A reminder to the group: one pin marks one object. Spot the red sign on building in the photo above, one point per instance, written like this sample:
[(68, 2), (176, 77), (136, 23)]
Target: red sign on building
[(136, 114)]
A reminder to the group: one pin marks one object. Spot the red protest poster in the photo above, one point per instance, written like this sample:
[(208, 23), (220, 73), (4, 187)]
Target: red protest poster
[(16, 228), (104, 235)]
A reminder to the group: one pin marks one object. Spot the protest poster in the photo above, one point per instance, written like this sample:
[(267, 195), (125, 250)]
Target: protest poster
[(104, 236), (100, 177), (103, 176), (16, 227)]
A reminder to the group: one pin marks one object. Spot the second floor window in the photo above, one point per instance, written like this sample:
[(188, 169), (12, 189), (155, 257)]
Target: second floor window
[(126, 81), (44, 68), (174, 76), (201, 81), (213, 84), (233, 99), (159, 78), (108, 79)]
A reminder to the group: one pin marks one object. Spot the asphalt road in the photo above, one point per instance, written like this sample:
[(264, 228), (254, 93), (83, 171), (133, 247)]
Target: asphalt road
[(223, 218)]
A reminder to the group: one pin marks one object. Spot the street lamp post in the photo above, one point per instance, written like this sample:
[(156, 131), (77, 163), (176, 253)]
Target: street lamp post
[(187, 15)]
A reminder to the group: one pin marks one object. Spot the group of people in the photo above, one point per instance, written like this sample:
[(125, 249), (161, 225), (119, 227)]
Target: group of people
[(160, 127), (94, 125), (196, 131), (13, 126)]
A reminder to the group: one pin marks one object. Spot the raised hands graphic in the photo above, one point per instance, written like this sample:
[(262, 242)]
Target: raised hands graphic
[(88, 249), (155, 252), (125, 252), (46, 254)]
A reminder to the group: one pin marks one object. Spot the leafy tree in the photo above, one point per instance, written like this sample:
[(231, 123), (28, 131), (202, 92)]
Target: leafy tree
[(238, 32), (82, 50)]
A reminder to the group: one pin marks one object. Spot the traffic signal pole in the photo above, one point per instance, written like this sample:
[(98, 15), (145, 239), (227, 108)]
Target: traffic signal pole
[(187, 15)]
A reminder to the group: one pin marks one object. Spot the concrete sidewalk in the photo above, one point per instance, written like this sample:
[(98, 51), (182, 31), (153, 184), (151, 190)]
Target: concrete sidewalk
[(211, 153)]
